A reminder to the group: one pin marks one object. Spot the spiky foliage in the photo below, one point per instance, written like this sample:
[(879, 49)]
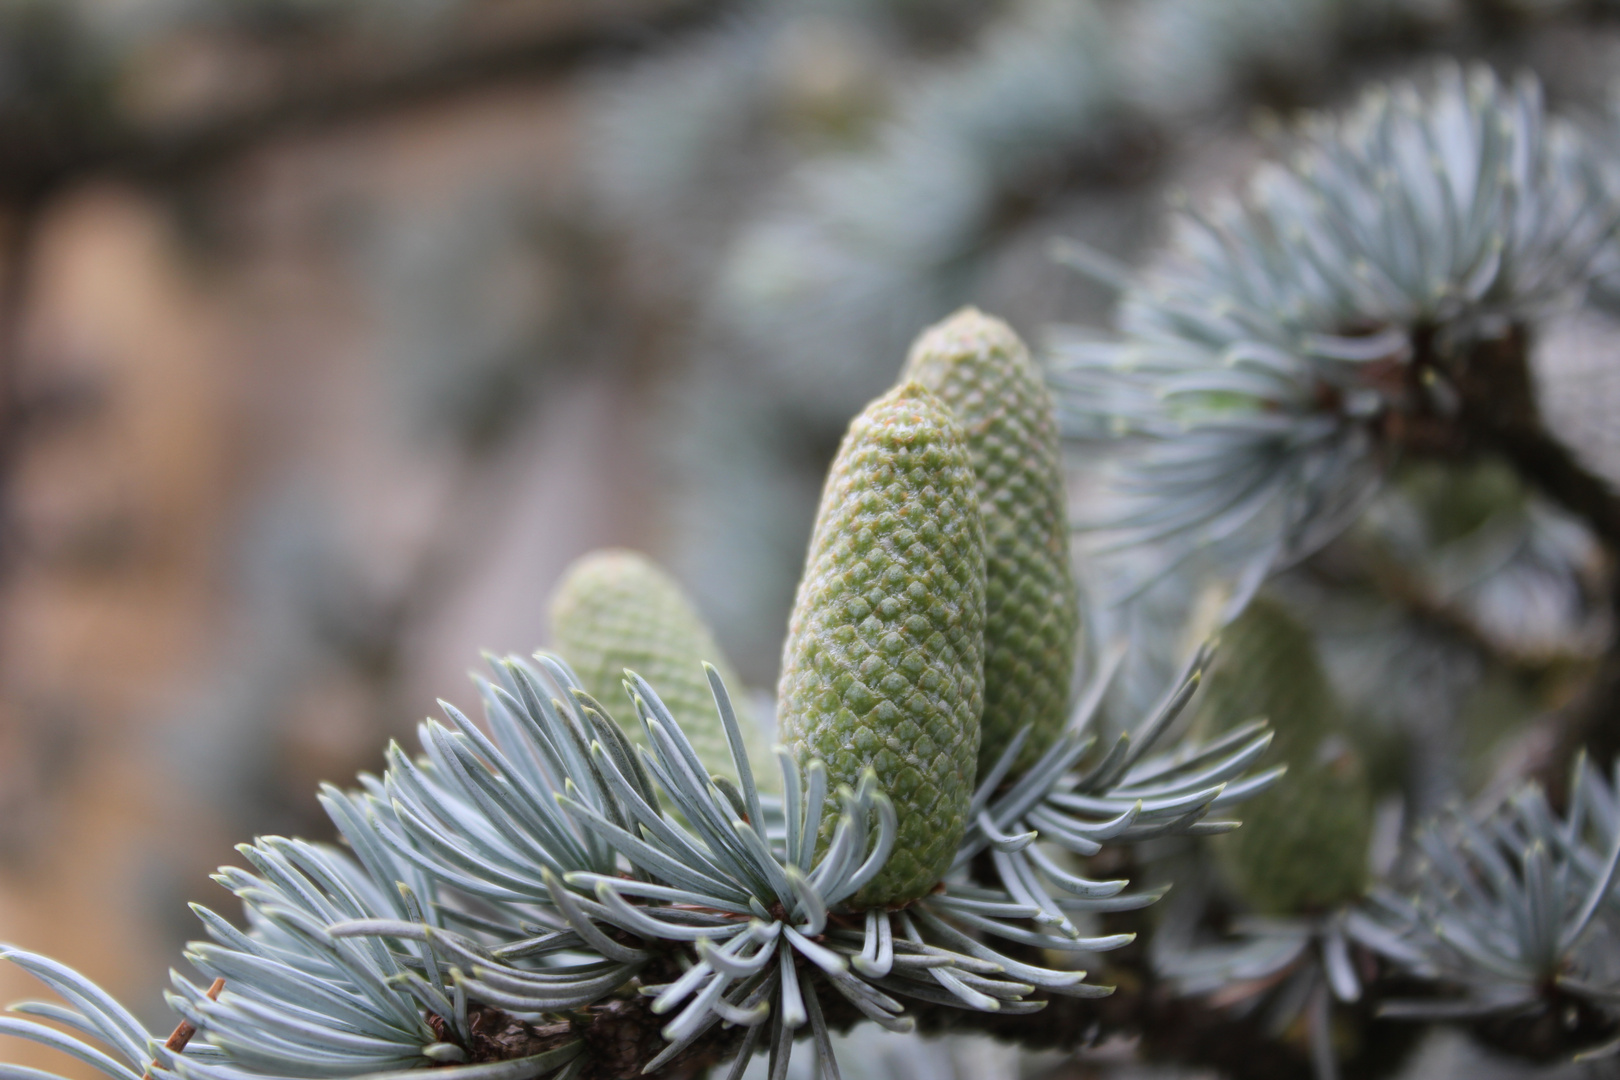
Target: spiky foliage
[(883, 667), (980, 369), (1516, 910), (1120, 796), (1313, 953), (614, 610), (705, 884), (550, 865), (1304, 847), (303, 1001), (90, 1011), (1291, 971), (752, 907), (1287, 338)]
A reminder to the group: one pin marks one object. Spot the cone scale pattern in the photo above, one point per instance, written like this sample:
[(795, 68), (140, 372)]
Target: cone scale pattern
[(615, 609), (1303, 844), (883, 665), (983, 373)]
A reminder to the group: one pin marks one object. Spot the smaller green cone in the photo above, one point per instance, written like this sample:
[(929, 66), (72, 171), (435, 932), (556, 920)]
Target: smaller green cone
[(884, 661), (615, 610), (1303, 845), (980, 369)]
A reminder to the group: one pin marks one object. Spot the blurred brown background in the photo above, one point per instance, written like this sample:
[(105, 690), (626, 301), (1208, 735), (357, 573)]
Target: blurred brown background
[(315, 375)]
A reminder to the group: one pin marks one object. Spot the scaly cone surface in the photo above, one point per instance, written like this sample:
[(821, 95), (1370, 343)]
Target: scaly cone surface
[(616, 609), (884, 660), (983, 373), (1303, 844)]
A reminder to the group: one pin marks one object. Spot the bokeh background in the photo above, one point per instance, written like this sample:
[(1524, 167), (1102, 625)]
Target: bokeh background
[(332, 330)]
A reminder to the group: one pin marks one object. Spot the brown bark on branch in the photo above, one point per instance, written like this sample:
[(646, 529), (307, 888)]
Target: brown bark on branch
[(1495, 411)]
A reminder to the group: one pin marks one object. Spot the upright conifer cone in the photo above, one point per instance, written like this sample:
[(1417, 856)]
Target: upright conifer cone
[(884, 664), (1303, 844), (615, 609), (980, 369)]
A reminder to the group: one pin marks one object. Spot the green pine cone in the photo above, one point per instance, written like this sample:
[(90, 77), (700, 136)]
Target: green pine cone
[(980, 369), (615, 609), (884, 660), (1303, 844)]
